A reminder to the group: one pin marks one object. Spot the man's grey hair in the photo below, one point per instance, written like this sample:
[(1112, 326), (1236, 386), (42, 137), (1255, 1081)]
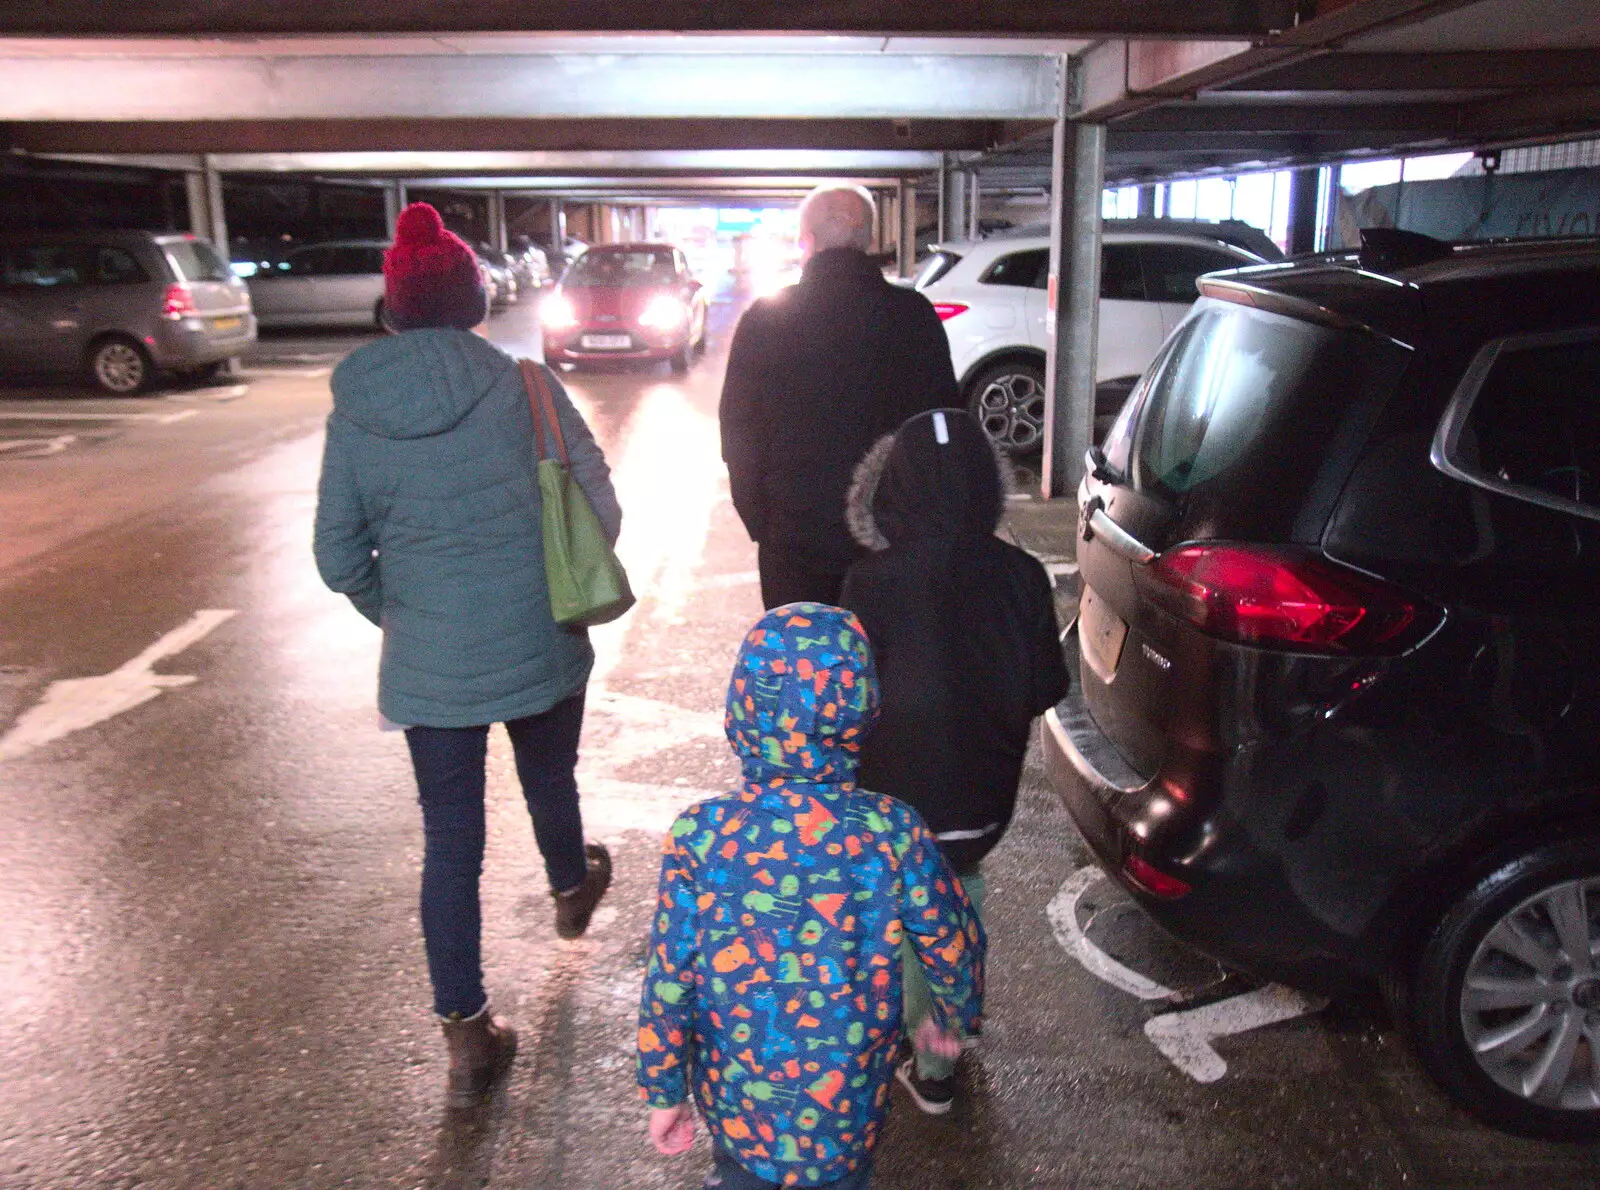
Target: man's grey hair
[(838, 216)]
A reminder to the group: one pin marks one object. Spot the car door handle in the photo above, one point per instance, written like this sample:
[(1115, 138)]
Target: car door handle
[(1096, 525)]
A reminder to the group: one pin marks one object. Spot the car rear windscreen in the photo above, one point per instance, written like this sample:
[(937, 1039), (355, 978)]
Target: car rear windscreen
[(1240, 413), (934, 267), (196, 260), (624, 270)]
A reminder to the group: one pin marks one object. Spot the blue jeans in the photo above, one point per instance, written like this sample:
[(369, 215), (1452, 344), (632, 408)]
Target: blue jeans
[(449, 763)]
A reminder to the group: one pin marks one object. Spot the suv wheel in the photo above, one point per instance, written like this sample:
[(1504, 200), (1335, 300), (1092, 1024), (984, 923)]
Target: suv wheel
[(120, 366), (1504, 1002), (1008, 402)]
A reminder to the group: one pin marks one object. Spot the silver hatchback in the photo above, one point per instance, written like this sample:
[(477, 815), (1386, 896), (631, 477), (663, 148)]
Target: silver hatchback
[(119, 306)]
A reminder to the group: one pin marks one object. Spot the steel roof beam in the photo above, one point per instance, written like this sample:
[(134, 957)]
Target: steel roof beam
[(1123, 77), (1089, 18), (531, 86), (330, 136), (1507, 70)]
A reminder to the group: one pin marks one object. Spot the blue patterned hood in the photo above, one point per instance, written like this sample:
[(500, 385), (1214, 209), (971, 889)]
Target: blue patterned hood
[(803, 696)]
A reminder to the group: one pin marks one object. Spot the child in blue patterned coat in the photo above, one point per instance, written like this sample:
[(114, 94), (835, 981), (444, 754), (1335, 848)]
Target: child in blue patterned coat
[(774, 977)]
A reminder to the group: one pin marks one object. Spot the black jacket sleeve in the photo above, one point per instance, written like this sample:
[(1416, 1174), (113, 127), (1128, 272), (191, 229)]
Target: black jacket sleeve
[(744, 396)]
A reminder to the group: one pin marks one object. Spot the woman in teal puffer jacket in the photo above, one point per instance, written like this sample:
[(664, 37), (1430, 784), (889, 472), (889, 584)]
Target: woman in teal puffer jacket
[(428, 518)]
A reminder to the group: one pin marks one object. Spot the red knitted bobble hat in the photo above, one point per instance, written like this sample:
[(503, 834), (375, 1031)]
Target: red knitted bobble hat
[(430, 276)]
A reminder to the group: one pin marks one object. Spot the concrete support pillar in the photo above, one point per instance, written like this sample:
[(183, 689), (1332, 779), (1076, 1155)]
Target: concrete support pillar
[(394, 201), (1332, 233), (952, 203), (1073, 320), (206, 216), (906, 241), (1147, 202), (558, 224), (497, 220), (1303, 187), (974, 203)]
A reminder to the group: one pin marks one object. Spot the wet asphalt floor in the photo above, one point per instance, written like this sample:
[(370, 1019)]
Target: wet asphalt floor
[(210, 969)]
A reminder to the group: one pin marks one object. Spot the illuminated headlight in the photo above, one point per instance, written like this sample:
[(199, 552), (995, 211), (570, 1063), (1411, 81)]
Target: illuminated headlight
[(664, 314), (558, 313)]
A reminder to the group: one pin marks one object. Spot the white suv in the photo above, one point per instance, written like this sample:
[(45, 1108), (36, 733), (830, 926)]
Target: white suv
[(990, 295)]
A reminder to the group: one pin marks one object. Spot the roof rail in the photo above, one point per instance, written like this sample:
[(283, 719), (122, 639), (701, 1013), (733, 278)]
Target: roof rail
[(1384, 249)]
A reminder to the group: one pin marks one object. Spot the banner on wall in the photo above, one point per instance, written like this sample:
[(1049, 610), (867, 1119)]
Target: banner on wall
[(1562, 202)]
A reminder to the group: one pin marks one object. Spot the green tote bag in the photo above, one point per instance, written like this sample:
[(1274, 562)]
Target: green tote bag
[(587, 583)]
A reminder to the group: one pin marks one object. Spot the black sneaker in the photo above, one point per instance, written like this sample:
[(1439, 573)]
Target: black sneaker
[(933, 1095), (575, 907)]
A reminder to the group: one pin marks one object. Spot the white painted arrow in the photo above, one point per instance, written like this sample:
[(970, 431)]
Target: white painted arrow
[(1186, 1037), (75, 703)]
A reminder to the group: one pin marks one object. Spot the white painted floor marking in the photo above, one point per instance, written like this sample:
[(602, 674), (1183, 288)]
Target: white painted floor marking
[(720, 582), (161, 419), (1063, 914), (1186, 1037), (1058, 569), (76, 703), (38, 448)]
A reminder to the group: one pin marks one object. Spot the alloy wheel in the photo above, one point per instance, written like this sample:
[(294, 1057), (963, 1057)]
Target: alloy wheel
[(119, 367), (1010, 407), (1530, 1000)]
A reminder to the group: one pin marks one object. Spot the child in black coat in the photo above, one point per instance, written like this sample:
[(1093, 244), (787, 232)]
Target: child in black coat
[(963, 628)]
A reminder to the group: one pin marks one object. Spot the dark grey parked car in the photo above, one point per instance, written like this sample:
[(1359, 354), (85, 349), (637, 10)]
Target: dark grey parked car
[(118, 306)]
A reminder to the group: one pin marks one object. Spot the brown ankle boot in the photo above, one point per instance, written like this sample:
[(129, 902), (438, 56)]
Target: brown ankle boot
[(575, 906), (481, 1049)]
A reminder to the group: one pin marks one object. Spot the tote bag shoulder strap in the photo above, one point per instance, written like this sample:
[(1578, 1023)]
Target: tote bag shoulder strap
[(543, 404)]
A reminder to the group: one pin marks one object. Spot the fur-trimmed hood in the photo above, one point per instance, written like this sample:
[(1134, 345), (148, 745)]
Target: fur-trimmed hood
[(939, 475)]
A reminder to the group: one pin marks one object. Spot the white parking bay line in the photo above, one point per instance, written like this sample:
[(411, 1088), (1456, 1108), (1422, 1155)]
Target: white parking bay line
[(38, 448), (160, 419), (1186, 1037), (76, 703), (1063, 914), (719, 582)]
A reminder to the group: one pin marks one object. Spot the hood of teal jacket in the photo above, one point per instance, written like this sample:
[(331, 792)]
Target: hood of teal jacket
[(419, 383), (803, 696)]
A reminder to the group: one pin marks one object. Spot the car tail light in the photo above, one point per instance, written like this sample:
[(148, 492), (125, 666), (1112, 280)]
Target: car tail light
[(178, 303), (948, 310), (1153, 880), (1259, 595)]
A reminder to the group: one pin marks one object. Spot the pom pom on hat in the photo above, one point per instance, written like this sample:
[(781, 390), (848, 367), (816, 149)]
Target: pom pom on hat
[(430, 276)]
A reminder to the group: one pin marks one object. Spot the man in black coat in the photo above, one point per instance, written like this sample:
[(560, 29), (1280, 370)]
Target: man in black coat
[(815, 375)]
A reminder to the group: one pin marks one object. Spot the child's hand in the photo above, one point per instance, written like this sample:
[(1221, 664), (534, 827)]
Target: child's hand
[(672, 1128), (930, 1039)]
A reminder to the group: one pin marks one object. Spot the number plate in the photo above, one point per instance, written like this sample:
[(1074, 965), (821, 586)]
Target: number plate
[(227, 324), (606, 342), (1101, 633)]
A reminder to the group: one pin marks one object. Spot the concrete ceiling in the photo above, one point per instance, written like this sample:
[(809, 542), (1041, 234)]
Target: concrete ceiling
[(848, 88)]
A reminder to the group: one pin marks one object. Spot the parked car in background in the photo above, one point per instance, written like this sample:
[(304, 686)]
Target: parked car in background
[(531, 265), (991, 295), (339, 283), (119, 306), (503, 269), (625, 302), (560, 255), (1336, 695)]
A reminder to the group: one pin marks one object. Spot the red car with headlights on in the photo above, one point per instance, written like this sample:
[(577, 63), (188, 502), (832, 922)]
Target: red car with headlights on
[(625, 302)]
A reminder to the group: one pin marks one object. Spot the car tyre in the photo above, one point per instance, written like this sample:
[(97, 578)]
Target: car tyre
[(379, 316), (119, 365), (1007, 400), (1503, 1001), (680, 360)]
